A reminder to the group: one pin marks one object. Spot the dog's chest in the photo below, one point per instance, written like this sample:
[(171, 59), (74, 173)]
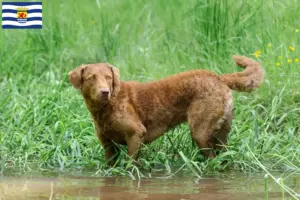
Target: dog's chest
[(115, 136), (112, 134), (104, 127)]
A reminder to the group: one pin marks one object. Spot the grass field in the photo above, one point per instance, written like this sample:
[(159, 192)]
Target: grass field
[(44, 123)]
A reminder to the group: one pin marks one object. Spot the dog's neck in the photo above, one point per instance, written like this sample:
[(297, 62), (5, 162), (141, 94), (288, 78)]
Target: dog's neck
[(97, 109)]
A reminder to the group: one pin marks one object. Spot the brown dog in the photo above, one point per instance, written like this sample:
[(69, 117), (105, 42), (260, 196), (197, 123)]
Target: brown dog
[(133, 113)]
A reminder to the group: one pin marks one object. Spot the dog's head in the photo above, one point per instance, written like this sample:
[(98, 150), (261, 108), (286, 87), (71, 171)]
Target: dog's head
[(97, 82)]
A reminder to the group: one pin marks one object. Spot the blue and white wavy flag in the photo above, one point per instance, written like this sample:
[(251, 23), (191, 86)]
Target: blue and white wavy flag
[(22, 15)]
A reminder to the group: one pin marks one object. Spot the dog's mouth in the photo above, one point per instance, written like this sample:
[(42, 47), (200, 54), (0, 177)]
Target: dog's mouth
[(104, 97), (101, 97)]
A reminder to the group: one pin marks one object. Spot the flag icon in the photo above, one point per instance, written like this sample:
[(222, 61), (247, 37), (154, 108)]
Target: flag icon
[(21, 15)]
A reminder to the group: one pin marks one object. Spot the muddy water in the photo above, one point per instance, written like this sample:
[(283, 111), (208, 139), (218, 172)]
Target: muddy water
[(233, 186)]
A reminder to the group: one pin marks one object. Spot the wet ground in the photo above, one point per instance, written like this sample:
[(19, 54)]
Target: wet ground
[(233, 186)]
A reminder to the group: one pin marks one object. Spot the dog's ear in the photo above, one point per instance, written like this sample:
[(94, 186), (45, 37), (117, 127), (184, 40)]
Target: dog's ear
[(116, 79), (75, 77)]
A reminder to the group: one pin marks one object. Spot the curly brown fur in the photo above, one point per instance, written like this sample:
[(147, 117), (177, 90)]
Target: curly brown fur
[(134, 113)]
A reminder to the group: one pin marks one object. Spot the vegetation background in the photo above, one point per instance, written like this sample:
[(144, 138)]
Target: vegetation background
[(44, 123)]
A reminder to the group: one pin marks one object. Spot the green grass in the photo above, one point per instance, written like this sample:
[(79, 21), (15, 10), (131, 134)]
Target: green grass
[(44, 123)]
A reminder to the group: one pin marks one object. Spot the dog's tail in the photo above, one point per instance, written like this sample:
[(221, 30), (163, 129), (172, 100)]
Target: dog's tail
[(247, 80)]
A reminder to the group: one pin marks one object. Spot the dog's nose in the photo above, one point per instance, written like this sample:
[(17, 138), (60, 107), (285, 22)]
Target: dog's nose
[(104, 91)]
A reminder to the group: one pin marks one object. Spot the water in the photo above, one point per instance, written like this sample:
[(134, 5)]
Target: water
[(231, 185)]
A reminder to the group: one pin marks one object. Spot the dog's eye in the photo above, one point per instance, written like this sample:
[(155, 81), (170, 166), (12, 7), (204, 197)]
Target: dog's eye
[(91, 78), (108, 77)]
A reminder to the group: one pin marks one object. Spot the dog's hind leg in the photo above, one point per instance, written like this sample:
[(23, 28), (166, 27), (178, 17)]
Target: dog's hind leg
[(223, 125), (220, 136), (202, 117)]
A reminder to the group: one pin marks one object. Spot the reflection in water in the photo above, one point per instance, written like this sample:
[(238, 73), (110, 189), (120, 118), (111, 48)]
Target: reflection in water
[(218, 187)]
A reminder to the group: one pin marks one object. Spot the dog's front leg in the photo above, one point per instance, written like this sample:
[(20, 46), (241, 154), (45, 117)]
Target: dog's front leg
[(134, 143), (133, 132), (109, 149)]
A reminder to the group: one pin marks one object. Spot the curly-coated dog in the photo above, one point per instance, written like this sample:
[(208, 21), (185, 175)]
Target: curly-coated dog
[(134, 113)]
